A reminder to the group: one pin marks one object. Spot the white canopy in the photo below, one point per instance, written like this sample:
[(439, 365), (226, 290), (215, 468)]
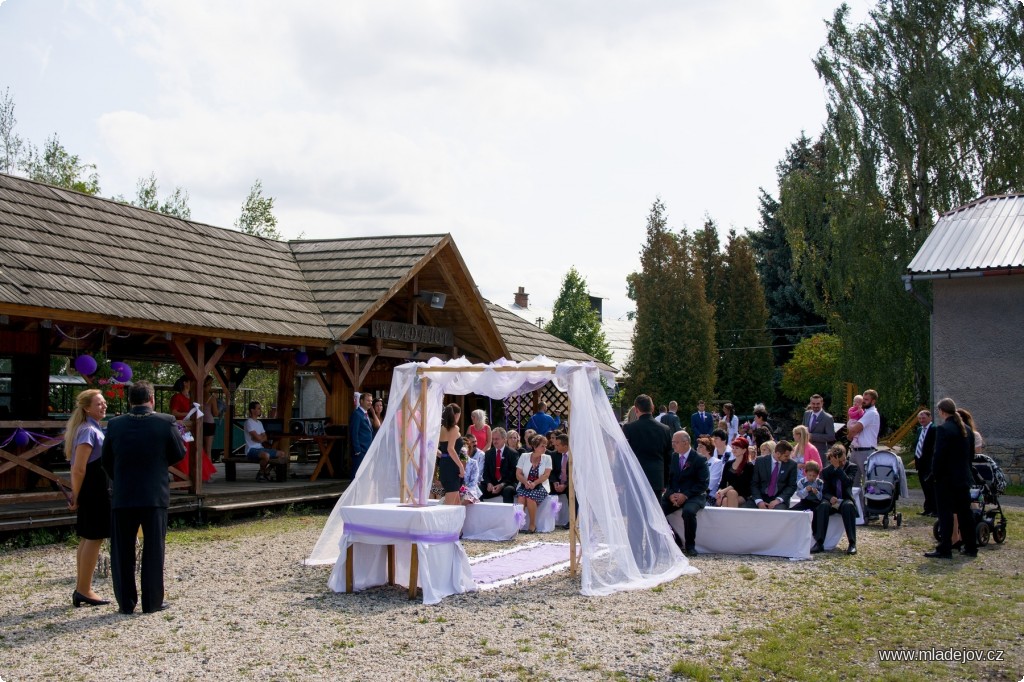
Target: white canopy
[(626, 541)]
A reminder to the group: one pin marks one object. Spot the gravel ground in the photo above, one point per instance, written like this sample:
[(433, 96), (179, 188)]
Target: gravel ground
[(243, 607)]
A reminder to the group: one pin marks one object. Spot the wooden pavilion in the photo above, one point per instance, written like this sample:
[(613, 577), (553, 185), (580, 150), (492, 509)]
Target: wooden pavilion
[(80, 274)]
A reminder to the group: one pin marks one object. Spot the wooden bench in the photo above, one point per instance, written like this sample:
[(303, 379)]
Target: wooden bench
[(230, 473)]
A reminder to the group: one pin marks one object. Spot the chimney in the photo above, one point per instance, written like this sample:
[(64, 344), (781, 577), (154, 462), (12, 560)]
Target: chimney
[(595, 305), (522, 298)]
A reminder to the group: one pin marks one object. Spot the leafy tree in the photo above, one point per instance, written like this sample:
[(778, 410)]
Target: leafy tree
[(257, 216), (574, 321), (55, 165), (745, 366), (11, 143), (674, 355), (146, 197), (791, 315), (925, 112), (814, 368)]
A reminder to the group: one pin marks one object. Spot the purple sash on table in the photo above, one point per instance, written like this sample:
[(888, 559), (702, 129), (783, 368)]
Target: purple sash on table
[(402, 535)]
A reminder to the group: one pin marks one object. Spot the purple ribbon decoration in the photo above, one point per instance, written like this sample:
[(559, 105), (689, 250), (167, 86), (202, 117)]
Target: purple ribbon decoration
[(520, 516), (25, 435), (402, 535), (557, 506)]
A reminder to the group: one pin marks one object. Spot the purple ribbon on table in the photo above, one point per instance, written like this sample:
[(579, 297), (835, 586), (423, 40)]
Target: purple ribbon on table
[(557, 506), (404, 536), (520, 516)]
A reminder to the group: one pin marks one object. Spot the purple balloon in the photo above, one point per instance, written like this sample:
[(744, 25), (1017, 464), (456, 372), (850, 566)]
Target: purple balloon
[(122, 371), (85, 364), (21, 438), (301, 359)]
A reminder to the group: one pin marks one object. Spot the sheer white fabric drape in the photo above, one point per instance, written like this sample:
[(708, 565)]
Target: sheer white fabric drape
[(626, 541)]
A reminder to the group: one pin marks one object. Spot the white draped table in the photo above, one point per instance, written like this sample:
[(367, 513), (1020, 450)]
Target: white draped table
[(724, 530), (490, 521), (389, 543)]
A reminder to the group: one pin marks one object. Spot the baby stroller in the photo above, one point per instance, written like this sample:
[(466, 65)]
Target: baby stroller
[(989, 521), (885, 481)]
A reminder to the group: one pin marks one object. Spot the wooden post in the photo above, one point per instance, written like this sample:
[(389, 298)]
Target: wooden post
[(349, 586), (414, 570), (391, 564)]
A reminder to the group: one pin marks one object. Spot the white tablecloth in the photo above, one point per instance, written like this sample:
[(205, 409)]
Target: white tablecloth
[(490, 521), (443, 564), (723, 530)]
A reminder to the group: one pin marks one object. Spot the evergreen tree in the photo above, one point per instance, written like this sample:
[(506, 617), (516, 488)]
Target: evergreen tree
[(745, 367), (708, 252), (791, 315), (674, 354), (55, 165), (575, 322), (257, 216)]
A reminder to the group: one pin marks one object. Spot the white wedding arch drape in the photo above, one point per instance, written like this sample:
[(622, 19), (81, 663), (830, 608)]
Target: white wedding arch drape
[(625, 540)]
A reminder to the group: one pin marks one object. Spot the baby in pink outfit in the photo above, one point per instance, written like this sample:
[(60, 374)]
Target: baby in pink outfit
[(857, 410)]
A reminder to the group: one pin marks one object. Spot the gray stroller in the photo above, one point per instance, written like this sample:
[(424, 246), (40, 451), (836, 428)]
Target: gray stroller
[(885, 481)]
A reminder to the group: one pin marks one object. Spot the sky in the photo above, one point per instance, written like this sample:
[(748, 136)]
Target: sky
[(538, 133)]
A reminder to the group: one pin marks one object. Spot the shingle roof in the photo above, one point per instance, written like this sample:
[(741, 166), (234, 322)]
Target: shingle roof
[(348, 276), (525, 341), (987, 234), (64, 250)]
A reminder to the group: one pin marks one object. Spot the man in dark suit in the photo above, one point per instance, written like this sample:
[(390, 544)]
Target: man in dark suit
[(360, 430), (836, 498), (774, 479), (820, 423), (671, 419), (687, 486), (138, 449), (952, 473), (701, 422), (560, 468), (924, 448), (651, 442), (499, 475)]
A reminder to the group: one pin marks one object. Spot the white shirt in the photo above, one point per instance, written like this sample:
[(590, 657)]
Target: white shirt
[(734, 429), (716, 465), (868, 438), (253, 425)]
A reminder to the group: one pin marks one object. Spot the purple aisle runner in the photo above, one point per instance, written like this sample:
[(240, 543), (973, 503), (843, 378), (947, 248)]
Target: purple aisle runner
[(522, 562)]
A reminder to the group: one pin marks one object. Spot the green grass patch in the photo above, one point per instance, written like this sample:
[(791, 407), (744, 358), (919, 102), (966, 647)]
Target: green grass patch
[(692, 670), (271, 525)]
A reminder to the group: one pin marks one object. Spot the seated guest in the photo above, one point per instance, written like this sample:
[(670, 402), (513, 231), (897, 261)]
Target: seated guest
[(560, 468), (470, 490), (720, 441), (766, 448), (533, 471), (514, 444), (734, 489), (256, 449), (499, 469), (837, 496), (527, 437), (774, 479), (808, 488), (687, 486), (706, 449), (804, 451)]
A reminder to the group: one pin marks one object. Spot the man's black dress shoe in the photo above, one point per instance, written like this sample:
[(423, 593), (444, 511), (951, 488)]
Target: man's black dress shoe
[(969, 552), (852, 549), (163, 607), (690, 551), (925, 513), (77, 598), (817, 548), (938, 555)]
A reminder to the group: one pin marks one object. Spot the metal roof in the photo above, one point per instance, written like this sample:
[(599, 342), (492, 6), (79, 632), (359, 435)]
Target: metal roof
[(987, 234)]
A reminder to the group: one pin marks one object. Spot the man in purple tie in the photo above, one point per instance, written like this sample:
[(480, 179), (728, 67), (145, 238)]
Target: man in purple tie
[(820, 423), (687, 486), (774, 479)]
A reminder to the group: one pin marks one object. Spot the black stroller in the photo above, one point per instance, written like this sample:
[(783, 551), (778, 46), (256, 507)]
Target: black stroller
[(989, 520)]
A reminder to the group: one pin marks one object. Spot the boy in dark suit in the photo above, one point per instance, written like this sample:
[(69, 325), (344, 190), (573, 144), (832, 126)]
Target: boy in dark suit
[(138, 449), (687, 486)]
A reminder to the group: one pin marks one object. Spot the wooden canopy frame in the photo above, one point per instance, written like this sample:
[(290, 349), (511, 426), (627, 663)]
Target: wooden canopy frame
[(412, 492)]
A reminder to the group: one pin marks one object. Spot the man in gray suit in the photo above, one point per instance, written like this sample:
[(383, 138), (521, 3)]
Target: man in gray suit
[(820, 424)]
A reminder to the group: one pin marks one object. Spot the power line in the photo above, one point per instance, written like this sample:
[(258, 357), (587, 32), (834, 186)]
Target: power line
[(781, 345), (768, 329)]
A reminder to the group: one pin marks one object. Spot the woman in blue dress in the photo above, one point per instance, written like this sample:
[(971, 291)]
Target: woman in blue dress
[(533, 470)]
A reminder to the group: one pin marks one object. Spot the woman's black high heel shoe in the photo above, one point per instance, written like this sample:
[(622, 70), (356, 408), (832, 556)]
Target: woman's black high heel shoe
[(77, 598)]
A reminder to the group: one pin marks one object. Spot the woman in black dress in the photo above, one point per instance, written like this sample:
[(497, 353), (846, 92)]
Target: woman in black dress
[(83, 443), (737, 476), (449, 462)]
